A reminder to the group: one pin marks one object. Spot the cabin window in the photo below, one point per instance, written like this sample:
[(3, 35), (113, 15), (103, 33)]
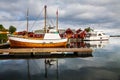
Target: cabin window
[(99, 34)]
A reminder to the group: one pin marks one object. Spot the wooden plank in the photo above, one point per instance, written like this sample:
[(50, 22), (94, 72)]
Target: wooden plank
[(28, 50)]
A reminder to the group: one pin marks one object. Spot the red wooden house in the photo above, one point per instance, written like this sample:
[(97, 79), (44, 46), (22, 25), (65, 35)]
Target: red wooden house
[(68, 33)]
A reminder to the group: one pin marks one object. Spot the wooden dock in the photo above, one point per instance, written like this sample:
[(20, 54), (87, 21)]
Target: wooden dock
[(37, 53), (36, 50)]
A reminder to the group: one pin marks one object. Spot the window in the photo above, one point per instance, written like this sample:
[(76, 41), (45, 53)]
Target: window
[(99, 35)]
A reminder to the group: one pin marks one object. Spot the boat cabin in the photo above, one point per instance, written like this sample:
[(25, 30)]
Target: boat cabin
[(52, 34), (95, 33)]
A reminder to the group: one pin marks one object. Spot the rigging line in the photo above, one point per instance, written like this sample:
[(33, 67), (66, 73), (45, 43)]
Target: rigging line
[(42, 1), (50, 20), (37, 19), (47, 19)]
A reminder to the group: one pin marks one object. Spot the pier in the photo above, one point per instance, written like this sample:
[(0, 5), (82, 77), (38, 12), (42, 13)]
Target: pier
[(34, 50), (36, 53)]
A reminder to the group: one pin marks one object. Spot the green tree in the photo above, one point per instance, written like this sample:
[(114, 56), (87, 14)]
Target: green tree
[(88, 29), (3, 37), (12, 29), (2, 27)]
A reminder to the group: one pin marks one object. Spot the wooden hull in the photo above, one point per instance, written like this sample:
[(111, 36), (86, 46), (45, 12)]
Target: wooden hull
[(22, 44)]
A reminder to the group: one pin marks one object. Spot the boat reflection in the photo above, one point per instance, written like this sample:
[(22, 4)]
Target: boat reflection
[(96, 44), (88, 44), (49, 63)]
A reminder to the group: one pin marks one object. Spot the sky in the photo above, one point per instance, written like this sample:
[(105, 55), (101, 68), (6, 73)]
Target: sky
[(98, 14)]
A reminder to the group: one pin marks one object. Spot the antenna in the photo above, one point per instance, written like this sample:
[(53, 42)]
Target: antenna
[(57, 20)]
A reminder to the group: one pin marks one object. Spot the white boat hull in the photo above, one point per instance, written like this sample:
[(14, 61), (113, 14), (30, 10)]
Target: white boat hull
[(96, 38)]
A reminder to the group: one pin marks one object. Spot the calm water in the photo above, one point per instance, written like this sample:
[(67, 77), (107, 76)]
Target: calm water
[(103, 65)]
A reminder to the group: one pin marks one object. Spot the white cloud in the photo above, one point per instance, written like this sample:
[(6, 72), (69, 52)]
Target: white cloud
[(71, 12)]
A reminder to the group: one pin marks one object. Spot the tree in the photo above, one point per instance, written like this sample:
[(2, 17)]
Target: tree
[(88, 29), (2, 27), (12, 29), (3, 37)]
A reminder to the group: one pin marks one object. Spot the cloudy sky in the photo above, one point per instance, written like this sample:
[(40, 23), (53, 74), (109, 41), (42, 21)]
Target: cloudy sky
[(98, 14)]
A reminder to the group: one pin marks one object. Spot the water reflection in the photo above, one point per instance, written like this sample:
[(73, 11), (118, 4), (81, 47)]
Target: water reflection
[(57, 69), (96, 44), (89, 44), (48, 64), (104, 65)]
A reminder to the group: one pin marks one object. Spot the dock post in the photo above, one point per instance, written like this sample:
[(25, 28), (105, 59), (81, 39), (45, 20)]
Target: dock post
[(28, 66), (31, 54)]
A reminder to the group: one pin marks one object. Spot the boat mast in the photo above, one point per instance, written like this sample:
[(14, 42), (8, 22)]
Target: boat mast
[(27, 20), (57, 20), (45, 29)]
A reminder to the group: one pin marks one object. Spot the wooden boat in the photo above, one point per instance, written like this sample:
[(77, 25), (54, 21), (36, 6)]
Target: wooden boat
[(31, 43), (50, 39)]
